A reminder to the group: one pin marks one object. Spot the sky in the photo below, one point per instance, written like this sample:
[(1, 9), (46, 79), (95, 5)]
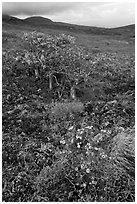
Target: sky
[(100, 14)]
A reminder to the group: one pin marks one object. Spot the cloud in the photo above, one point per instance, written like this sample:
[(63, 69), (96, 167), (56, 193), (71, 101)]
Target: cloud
[(103, 14), (36, 8)]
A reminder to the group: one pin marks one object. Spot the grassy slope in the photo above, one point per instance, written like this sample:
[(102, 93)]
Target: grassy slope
[(123, 43), (37, 165)]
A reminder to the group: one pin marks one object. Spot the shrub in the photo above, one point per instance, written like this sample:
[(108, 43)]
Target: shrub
[(61, 110), (123, 152)]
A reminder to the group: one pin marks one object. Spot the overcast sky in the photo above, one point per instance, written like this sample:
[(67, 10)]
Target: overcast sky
[(109, 14)]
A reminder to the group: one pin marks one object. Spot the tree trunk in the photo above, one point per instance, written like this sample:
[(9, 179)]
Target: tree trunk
[(72, 93), (50, 81), (36, 73)]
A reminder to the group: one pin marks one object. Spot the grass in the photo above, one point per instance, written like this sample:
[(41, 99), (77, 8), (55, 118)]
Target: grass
[(94, 43), (61, 110)]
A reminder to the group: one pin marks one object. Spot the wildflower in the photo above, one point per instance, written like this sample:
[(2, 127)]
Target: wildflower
[(94, 182), (72, 140), (103, 155), (64, 151), (82, 166), (78, 137), (80, 191), (78, 145), (107, 123), (71, 128), (8, 96), (76, 168), (80, 131), (89, 127), (103, 130), (62, 142), (121, 129), (88, 170), (87, 152), (89, 145), (95, 148), (84, 185)]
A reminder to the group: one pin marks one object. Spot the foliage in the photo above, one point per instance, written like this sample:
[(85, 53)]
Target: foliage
[(61, 110), (80, 150)]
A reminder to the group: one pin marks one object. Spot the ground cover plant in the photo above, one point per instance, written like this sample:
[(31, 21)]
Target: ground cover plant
[(68, 121)]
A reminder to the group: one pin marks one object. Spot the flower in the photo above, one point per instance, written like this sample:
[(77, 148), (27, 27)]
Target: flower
[(78, 145), (96, 148), (89, 127), (78, 137), (94, 182), (71, 128), (82, 166), (87, 152), (103, 131), (103, 155), (72, 140), (88, 170), (62, 142), (84, 185), (80, 131), (89, 145)]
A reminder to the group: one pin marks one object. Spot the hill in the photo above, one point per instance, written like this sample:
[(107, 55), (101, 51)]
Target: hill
[(41, 22), (12, 20), (38, 20)]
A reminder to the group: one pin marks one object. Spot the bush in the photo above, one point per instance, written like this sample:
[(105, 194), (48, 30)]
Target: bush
[(61, 110), (123, 152)]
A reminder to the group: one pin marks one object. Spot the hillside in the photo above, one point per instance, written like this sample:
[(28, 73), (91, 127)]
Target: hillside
[(39, 21), (12, 20), (68, 112), (47, 23)]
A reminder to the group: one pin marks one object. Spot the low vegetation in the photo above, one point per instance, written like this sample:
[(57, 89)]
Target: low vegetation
[(68, 122)]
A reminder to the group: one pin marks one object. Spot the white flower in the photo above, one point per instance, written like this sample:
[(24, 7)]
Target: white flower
[(94, 182), (72, 140), (78, 137), (103, 130), (62, 142), (89, 145), (82, 166), (78, 145), (89, 127), (87, 152), (88, 170), (71, 128), (104, 156), (96, 148), (76, 168), (107, 123), (80, 131), (84, 185)]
